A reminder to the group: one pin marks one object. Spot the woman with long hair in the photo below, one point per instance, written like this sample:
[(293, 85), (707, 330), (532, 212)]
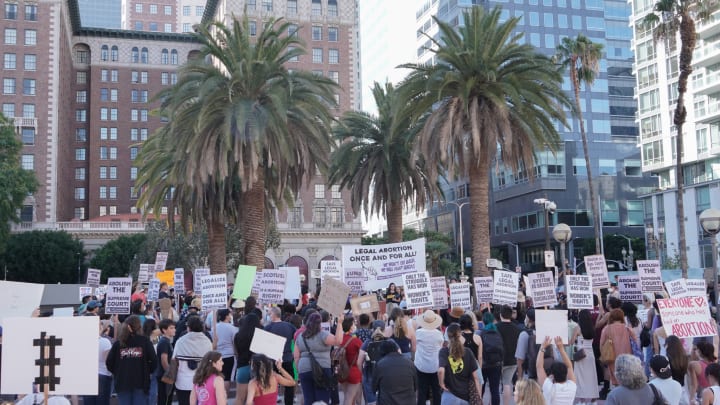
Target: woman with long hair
[(703, 355), (711, 394), (528, 392), (620, 335), (585, 370), (263, 388), (399, 330), (678, 359), (208, 382), (151, 330), (350, 386), (131, 360), (631, 319), (392, 298), (315, 343), (241, 344), (457, 368)]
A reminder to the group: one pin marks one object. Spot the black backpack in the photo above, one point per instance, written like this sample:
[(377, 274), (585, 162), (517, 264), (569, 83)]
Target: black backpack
[(531, 356), (373, 354), (493, 351)]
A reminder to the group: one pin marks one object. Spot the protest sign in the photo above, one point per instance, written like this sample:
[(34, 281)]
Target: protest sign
[(167, 276), (650, 275), (160, 261), (255, 290), (101, 291), (267, 343), (630, 289), (418, 291), (542, 286), (528, 290), (331, 269), (597, 270), (144, 273), (677, 288), (579, 292), (244, 280), (697, 287), (385, 264), (117, 299), (64, 341), (440, 292), (460, 296), (505, 287), (153, 290), (179, 280), (198, 275), (93, 277), (483, 289), (292, 283), (367, 304), (84, 291), (334, 296), (551, 322), (19, 299), (355, 279), (272, 286), (549, 258), (214, 292), (687, 317), (66, 312)]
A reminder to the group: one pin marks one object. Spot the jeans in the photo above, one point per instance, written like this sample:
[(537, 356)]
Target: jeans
[(370, 396), (449, 399), (134, 397), (492, 376), (104, 389), (648, 356), (428, 382), (311, 393), (153, 392), (289, 393)]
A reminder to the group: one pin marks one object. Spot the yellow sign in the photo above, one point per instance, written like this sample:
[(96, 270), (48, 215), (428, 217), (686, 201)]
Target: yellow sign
[(167, 276)]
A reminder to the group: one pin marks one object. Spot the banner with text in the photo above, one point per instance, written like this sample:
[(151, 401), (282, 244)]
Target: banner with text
[(144, 273), (381, 265), (255, 290), (630, 289), (332, 269), (272, 286), (197, 277), (460, 296), (117, 299), (355, 279), (697, 287), (179, 280), (505, 287), (154, 290), (596, 268), (650, 275), (214, 292), (579, 292), (440, 292), (542, 285), (93, 278), (418, 291), (677, 288), (160, 261), (687, 317), (483, 289)]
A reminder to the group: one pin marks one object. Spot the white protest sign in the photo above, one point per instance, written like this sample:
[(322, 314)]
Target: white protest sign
[(153, 290), (66, 338), (551, 323), (144, 273), (117, 299), (677, 288), (214, 292), (579, 292), (331, 269), (160, 261), (255, 289), (505, 287), (697, 287), (597, 270), (542, 285), (179, 280), (101, 291), (549, 258), (630, 289), (93, 277), (385, 264), (333, 296), (355, 279), (483, 289), (292, 283), (66, 312), (84, 291), (650, 275), (528, 290), (272, 286), (267, 343), (19, 299), (440, 293), (418, 291), (197, 277), (687, 317), (460, 296)]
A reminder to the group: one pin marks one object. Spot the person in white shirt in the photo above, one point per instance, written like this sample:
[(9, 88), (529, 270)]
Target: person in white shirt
[(429, 342), (559, 387), (662, 379)]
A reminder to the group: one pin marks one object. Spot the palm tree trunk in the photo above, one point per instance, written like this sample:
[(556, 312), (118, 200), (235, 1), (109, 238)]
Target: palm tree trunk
[(394, 221), (254, 222), (216, 245), (479, 177)]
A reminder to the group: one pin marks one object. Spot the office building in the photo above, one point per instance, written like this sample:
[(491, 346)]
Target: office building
[(101, 13)]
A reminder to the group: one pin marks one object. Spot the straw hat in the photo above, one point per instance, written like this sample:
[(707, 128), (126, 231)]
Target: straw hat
[(457, 312), (429, 320)]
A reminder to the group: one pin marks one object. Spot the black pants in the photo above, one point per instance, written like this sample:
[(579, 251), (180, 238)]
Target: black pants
[(428, 383), (163, 391), (183, 397), (493, 377), (289, 393)]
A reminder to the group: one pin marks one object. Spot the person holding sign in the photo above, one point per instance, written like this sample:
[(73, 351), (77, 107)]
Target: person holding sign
[(392, 298), (263, 388), (559, 387)]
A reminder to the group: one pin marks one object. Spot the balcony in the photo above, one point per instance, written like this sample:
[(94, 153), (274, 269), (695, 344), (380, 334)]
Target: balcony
[(709, 85), (708, 54), (22, 122), (709, 27), (710, 113), (81, 226)]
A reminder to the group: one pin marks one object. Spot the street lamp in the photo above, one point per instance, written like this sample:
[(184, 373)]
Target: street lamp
[(459, 208), (549, 207), (517, 251), (627, 254), (710, 223), (562, 234)]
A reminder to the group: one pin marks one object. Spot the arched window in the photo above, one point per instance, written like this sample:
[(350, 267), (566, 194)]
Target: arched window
[(173, 57), (144, 55), (114, 53), (104, 53), (135, 55), (164, 57)]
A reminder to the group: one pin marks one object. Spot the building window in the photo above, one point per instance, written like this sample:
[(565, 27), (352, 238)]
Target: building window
[(103, 172), (135, 55), (320, 217), (138, 7), (173, 78), (174, 57), (81, 77), (295, 58), (333, 56), (114, 76), (317, 55), (80, 135), (199, 11), (8, 110), (252, 26), (114, 53), (28, 110), (134, 96), (103, 153), (610, 213), (102, 210), (113, 153), (28, 162), (165, 78), (113, 210), (133, 173), (113, 94), (292, 7), (133, 152), (153, 9), (103, 133), (8, 86), (81, 96), (267, 5), (31, 62), (10, 11), (28, 135), (153, 27), (336, 194), (336, 217), (251, 4), (143, 115), (104, 94), (81, 115), (134, 114), (633, 168), (579, 168), (102, 192), (31, 12), (167, 27), (113, 172), (295, 217), (316, 9), (333, 34), (104, 114), (635, 213), (143, 134), (79, 173), (79, 211), (316, 33), (80, 154), (164, 57), (293, 30), (607, 167), (30, 37), (10, 36), (144, 55), (104, 75), (186, 11), (702, 198), (10, 61), (319, 191), (186, 27), (29, 87), (134, 134), (168, 10), (332, 8), (79, 195)]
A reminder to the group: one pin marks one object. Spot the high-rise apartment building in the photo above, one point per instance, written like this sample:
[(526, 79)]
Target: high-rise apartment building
[(518, 224), (656, 68)]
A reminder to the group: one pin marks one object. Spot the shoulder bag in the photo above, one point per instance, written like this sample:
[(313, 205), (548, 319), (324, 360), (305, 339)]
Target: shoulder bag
[(171, 373), (320, 379)]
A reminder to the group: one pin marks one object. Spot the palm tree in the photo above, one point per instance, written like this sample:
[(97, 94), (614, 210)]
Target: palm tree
[(375, 160), (488, 97), (581, 57), (667, 19)]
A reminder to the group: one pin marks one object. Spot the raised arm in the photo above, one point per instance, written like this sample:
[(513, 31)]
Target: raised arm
[(540, 360), (565, 358), (284, 378)]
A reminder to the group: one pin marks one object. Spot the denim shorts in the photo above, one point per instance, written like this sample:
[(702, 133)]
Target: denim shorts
[(242, 375)]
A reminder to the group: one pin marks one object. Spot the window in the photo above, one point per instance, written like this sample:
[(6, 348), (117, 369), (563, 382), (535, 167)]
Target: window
[(332, 8), (27, 162), (173, 78), (267, 5), (80, 135), (579, 168), (10, 11), (135, 55), (295, 58), (186, 11), (8, 110), (81, 115), (134, 114), (143, 115), (135, 77), (316, 9), (333, 34), (30, 37), (113, 172), (79, 211), (31, 62), (28, 110), (10, 61), (80, 196), (316, 33), (610, 213), (113, 210), (607, 167), (8, 86), (138, 25), (633, 168), (114, 53), (153, 9), (28, 135), (335, 76), (138, 7), (652, 153), (133, 173), (10, 36), (534, 19), (102, 192), (319, 191), (143, 77), (292, 7), (133, 152), (635, 213), (336, 195), (113, 94), (164, 57), (252, 26), (103, 114), (168, 10), (167, 27), (165, 78), (79, 173), (114, 76), (548, 20), (336, 217), (333, 56), (104, 75), (702, 198), (186, 27), (293, 30), (30, 12), (102, 210), (144, 55), (134, 96), (103, 153), (104, 94), (103, 172), (173, 59), (143, 134), (320, 217), (134, 134), (317, 55), (199, 11), (153, 27), (80, 154), (113, 153)]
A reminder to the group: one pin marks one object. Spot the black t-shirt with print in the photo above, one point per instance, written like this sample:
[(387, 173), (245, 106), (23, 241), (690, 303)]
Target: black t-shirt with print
[(458, 373)]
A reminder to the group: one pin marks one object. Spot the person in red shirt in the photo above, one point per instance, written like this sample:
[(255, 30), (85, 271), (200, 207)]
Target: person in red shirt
[(351, 386), (139, 293)]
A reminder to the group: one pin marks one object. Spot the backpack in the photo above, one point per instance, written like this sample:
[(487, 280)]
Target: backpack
[(373, 352), (340, 365), (645, 337), (493, 351), (531, 356)]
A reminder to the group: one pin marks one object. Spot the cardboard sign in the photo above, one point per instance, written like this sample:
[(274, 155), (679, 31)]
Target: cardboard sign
[(460, 296), (597, 270), (334, 296), (630, 289), (505, 287), (697, 287), (272, 286), (542, 286), (677, 288), (551, 323), (687, 317), (579, 292), (650, 275), (66, 338), (331, 269), (84, 292), (179, 280), (144, 273), (267, 343), (214, 292), (197, 277), (418, 292), (355, 279), (117, 299), (93, 277), (154, 290), (292, 283), (385, 264), (483, 289), (440, 293), (160, 261), (244, 280), (367, 304)]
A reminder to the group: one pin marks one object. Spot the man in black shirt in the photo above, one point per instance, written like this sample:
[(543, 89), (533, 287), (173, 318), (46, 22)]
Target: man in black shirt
[(285, 329), (394, 376), (510, 333)]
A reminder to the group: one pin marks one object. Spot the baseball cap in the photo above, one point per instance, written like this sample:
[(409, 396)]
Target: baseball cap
[(661, 366)]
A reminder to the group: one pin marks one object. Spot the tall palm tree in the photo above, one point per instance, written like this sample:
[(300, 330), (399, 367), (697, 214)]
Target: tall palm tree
[(488, 96), (670, 17), (581, 57), (375, 160)]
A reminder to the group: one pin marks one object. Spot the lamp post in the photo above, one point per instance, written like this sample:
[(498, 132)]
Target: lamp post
[(628, 254), (710, 223), (562, 234), (462, 252), (79, 255), (517, 251), (549, 207)]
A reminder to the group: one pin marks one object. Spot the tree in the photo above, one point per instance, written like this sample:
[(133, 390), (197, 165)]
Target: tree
[(375, 160), (45, 257), (116, 258), (16, 183), (487, 96), (670, 17), (581, 57)]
